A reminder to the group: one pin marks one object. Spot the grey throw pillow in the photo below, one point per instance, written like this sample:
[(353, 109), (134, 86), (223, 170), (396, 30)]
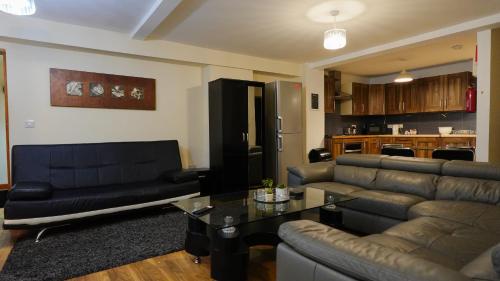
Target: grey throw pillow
[(495, 258)]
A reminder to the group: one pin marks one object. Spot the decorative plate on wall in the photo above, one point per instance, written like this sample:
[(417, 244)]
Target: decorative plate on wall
[(97, 90)]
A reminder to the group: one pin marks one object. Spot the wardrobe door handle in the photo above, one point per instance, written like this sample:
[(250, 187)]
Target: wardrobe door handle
[(243, 136)]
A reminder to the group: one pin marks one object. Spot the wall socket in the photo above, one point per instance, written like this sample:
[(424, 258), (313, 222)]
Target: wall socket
[(29, 124)]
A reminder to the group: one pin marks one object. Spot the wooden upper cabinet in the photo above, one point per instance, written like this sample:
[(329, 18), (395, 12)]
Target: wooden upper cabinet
[(359, 99), (329, 94), (432, 90), (393, 99), (376, 99), (455, 87), (412, 98)]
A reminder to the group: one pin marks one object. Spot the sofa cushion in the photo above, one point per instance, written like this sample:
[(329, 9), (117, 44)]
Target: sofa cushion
[(495, 258), (452, 239), (359, 176), (180, 176), (483, 216), (409, 164), (360, 160), (76, 200), (30, 191), (481, 268), (467, 189), (419, 184), (314, 172), (384, 203), (335, 187), (358, 257), (468, 169), (98, 164), (411, 248)]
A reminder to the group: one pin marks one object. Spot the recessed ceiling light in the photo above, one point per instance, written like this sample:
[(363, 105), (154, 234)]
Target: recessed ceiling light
[(322, 12), (457, 47)]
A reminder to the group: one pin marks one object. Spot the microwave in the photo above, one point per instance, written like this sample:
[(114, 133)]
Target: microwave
[(377, 129)]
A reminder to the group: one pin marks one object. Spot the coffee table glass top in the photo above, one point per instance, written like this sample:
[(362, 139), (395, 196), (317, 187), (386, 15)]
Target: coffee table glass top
[(244, 209)]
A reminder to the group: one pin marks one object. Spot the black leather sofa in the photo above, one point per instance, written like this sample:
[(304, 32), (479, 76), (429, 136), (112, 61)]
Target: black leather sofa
[(58, 183)]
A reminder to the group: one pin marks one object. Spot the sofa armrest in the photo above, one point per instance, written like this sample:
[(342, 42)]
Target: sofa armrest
[(30, 191), (358, 257), (310, 173), (180, 176)]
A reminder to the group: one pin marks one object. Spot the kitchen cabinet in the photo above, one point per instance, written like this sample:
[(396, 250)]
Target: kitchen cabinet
[(359, 99), (393, 99), (456, 85), (458, 142), (412, 99), (442, 93), (425, 146), (376, 99), (405, 141), (329, 94), (373, 145), (432, 89)]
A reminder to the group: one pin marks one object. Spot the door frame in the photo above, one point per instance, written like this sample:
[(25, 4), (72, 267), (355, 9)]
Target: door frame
[(7, 137)]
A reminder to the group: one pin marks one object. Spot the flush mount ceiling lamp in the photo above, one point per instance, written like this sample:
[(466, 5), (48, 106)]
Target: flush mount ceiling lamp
[(335, 38), (403, 77), (18, 7)]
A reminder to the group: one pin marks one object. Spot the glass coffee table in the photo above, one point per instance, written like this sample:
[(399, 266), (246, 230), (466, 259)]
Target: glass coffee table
[(238, 222)]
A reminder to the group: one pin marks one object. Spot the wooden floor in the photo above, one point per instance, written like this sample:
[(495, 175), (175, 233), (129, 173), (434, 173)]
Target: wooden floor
[(176, 266)]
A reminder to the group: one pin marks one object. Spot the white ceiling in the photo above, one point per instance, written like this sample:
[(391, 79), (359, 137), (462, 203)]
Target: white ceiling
[(276, 29), (114, 15), (435, 52)]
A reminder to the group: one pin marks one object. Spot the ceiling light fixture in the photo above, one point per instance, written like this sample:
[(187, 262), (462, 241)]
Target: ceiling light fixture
[(18, 7), (335, 38), (403, 77)]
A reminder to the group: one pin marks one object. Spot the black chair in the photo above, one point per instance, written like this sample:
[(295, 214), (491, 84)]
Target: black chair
[(404, 151), (466, 154)]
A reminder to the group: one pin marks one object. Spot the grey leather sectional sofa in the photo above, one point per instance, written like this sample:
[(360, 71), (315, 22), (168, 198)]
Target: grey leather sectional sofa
[(426, 219)]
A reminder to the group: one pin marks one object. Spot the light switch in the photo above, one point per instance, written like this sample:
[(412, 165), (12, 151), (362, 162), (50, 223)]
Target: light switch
[(29, 124)]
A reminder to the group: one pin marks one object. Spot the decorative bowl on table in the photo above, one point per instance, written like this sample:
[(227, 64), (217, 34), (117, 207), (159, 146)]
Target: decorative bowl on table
[(278, 195)]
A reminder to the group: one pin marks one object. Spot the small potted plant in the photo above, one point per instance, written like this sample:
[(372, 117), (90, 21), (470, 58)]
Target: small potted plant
[(282, 192), (268, 186)]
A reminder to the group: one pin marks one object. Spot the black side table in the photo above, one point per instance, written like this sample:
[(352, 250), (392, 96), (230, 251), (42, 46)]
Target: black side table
[(206, 180)]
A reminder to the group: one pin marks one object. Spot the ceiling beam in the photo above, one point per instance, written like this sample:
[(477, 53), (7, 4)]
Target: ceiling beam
[(159, 12), (477, 24)]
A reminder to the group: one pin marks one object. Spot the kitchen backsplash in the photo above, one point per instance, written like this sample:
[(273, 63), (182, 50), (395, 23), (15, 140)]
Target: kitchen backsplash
[(425, 123)]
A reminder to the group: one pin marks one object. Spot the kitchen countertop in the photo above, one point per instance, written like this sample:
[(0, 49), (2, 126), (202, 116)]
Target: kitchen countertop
[(404, 136)]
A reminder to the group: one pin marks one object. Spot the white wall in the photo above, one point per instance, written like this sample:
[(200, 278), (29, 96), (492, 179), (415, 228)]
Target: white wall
[(313, 82), (3, 135), (483, 95), (450, 68), (270, 77), (177, 86)]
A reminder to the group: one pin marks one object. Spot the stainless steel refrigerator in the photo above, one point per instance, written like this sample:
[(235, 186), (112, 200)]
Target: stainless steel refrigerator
[(283, 128)]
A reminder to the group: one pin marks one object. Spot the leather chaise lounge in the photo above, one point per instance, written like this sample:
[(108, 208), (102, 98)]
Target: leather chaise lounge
[(425, 219), (54, 184)]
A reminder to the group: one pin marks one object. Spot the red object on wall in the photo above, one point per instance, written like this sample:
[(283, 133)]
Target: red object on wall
[(470, 99)]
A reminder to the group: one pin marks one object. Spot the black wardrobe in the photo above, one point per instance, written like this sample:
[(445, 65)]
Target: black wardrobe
[(236, 134)]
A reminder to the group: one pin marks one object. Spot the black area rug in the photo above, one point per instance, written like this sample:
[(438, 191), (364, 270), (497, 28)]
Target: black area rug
[(74, 251)]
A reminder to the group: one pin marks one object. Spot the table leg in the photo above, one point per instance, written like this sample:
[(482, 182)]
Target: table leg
[(229, 257), (197, 242)]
